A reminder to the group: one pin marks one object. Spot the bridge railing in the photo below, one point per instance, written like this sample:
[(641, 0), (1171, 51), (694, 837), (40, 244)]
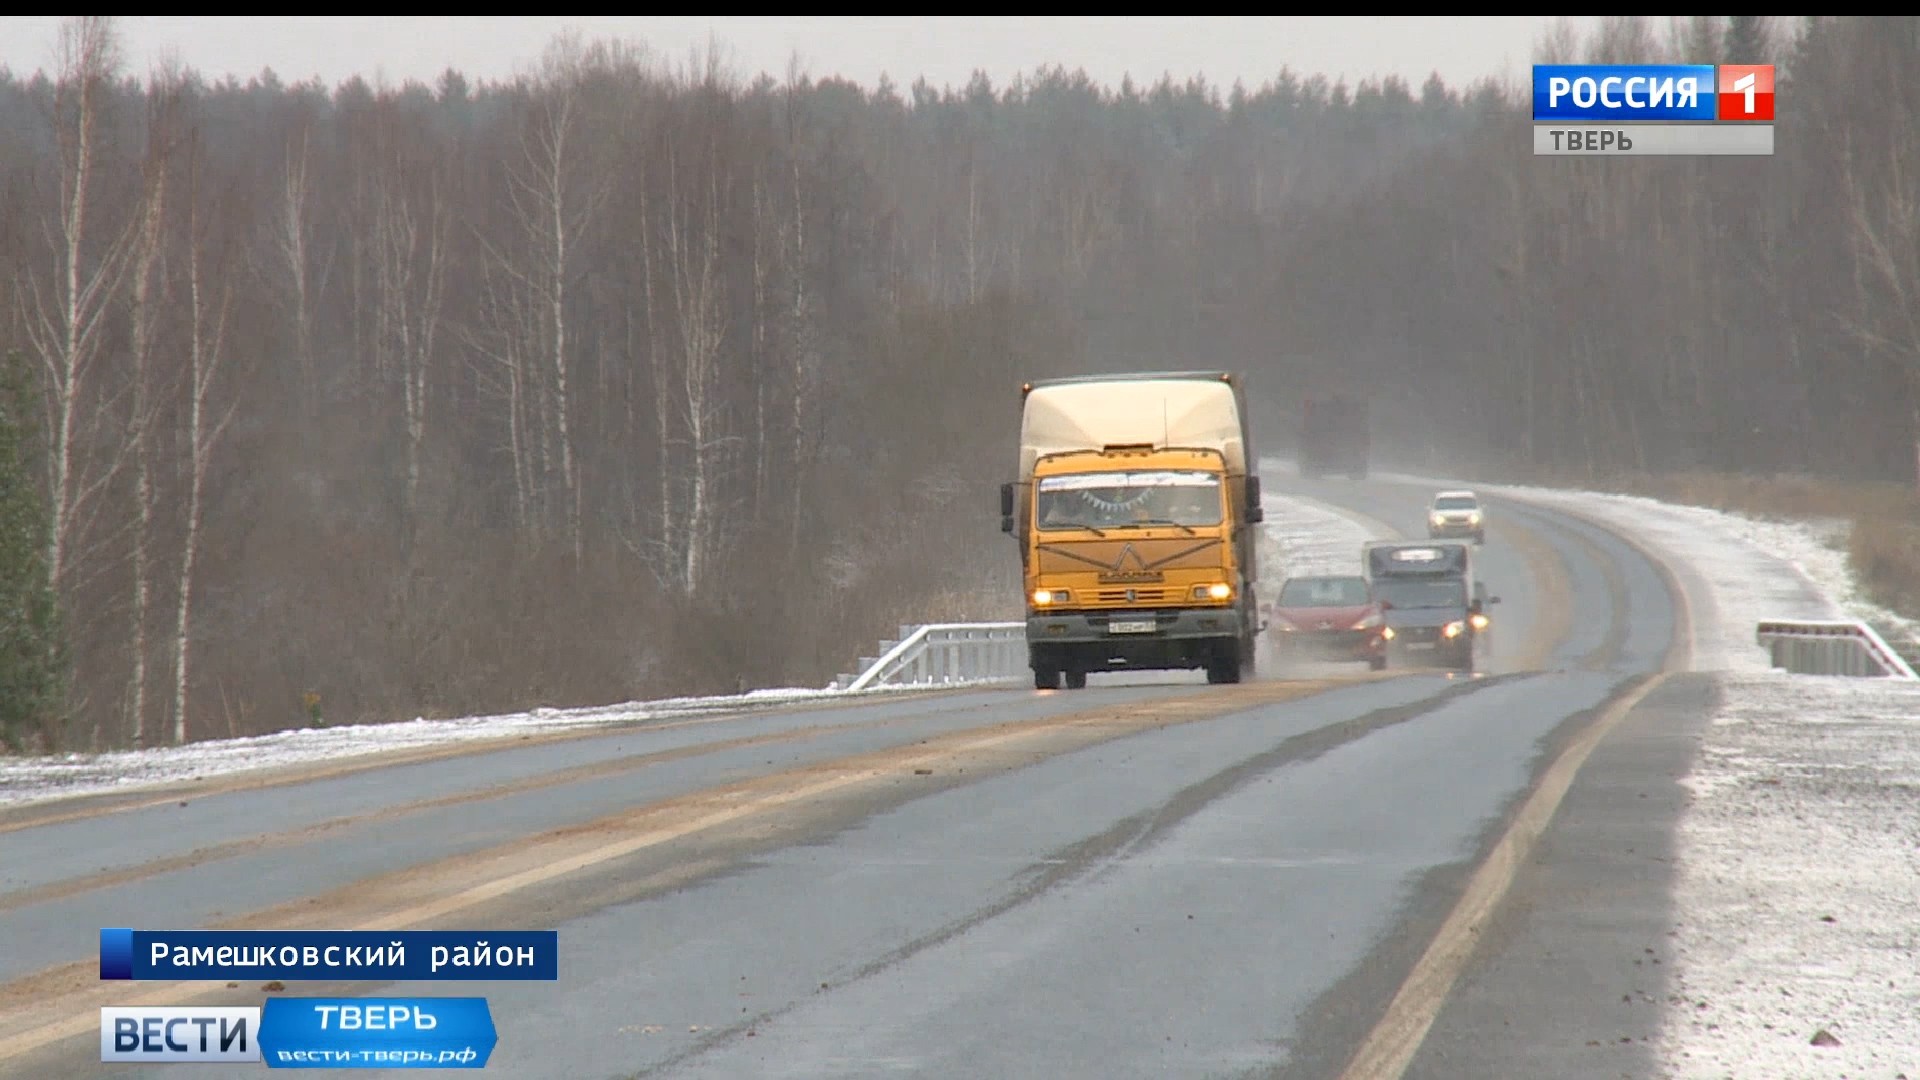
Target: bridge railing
[(1838, 647), (938, 654)]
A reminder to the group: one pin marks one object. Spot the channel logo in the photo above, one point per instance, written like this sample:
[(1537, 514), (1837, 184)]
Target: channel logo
[(1745, 92), (160, 1034)]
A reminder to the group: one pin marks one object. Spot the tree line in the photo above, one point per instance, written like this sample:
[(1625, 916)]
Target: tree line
[(631, 378)]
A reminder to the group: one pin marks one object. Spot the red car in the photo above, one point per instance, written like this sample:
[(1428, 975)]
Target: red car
[(1329, 617)]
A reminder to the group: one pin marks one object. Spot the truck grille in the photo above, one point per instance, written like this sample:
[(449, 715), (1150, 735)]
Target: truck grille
[(1140, 596)]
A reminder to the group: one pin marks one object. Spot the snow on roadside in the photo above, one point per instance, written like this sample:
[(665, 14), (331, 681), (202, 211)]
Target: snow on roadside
[(25, 780), (1797, 901), (1306, 536)]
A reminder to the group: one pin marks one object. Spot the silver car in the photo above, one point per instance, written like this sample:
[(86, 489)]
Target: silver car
[(1457, 515)]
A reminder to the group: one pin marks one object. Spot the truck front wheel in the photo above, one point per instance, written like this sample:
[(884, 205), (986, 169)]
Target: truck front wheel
[(1046, 680), (1224, 666)]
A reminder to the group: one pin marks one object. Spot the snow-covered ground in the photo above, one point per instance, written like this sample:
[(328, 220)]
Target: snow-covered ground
[(1306, 536), (34, 779), (1797, 900), (1797, 892)]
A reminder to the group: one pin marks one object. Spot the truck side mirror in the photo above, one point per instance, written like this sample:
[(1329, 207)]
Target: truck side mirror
[(1253, 491), (1255, 515), (1006, 523), (1006, 504)]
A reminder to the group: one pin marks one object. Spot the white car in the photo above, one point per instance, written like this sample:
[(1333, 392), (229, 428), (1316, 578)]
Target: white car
[(1457, 514)]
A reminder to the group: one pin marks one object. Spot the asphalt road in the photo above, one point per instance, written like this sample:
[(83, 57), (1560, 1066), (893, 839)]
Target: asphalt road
[(1147, 877)]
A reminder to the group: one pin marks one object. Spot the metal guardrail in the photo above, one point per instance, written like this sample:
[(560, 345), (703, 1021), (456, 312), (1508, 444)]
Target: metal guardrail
[(942, 653), (1831, 648)]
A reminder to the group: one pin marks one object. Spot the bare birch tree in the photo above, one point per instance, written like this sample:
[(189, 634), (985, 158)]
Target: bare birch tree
[(293, 243), (554, 200), (697, 289), (410, 280), (502, 345), (149, 301), (207, 355), (68, 327)]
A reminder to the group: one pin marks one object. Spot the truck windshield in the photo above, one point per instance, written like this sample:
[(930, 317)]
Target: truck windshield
[(1414, 593), (1117, 500)]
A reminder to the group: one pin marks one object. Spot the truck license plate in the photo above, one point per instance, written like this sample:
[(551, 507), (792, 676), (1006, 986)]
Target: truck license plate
[(1131, 626)]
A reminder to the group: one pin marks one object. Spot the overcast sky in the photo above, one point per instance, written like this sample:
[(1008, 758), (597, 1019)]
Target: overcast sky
[(947, 50)]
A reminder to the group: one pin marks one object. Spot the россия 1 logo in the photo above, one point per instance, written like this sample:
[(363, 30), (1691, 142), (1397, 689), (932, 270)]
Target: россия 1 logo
[(1573, 93)]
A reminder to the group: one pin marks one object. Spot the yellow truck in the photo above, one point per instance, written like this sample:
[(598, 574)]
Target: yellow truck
[(1134, 512)]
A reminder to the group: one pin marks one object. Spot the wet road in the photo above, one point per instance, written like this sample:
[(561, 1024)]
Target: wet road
[(1147, 877)]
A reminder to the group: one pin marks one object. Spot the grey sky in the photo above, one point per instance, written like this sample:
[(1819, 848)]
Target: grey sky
[(944, 49)]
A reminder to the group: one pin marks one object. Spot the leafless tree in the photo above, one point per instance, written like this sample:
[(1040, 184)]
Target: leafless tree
[(149, 301), (293, 243), (209, 305), (410, 280), (68, 324)]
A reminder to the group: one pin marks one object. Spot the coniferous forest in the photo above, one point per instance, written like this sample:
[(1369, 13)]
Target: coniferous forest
[(643, 377)]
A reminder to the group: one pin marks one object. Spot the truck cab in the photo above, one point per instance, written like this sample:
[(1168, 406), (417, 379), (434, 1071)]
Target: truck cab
[(1133, 565)]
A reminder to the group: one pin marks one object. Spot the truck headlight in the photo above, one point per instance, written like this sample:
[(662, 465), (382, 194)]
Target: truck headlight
[(1454, 629), (1043, 597), (1216, 591), (1479, 622)]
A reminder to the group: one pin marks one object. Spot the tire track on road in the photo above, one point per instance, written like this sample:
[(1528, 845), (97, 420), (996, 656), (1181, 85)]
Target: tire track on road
[(62, 1002)]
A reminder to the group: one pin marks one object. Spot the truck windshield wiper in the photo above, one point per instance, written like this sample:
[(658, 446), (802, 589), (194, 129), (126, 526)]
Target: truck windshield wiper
[(1077, 525), (1165, 521)]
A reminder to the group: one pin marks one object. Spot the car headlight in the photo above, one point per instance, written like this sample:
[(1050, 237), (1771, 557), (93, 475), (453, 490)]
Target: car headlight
[(1436, 519), (1387, 633), (1454, 629), (1479, 622), (1043, 597), (1474, 518), (1368, 621)]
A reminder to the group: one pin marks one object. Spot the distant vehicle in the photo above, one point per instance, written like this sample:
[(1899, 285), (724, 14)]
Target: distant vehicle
[(1334, 436), (1328, 617), (1457, 514), (1429, 597)]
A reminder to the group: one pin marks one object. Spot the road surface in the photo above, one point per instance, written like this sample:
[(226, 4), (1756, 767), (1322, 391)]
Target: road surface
[(1146, 877)]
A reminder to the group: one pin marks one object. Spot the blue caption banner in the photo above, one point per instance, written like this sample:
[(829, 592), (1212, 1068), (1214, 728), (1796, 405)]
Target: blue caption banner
[(1575, 92), (388, 956), (376, 1033)]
